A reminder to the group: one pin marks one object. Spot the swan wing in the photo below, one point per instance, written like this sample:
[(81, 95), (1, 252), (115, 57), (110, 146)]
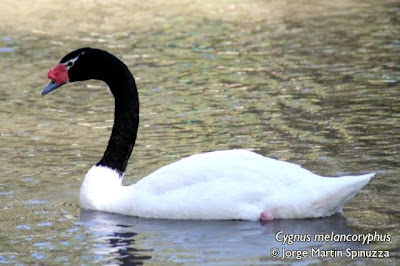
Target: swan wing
[(231, 167), (235, 184)]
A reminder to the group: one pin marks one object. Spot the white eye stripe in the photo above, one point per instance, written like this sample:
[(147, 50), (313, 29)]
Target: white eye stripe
[(71, 62)]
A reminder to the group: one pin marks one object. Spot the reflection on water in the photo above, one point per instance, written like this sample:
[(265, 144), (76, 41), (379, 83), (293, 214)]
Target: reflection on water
[(117, 239), (126, 253), (311, 82), (120, 246)]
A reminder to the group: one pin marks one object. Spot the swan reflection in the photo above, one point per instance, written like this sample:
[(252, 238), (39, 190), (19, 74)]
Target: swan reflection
[(127, 240)]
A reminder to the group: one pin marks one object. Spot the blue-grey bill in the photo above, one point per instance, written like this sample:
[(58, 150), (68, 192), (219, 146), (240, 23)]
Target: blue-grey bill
[(51, 87)]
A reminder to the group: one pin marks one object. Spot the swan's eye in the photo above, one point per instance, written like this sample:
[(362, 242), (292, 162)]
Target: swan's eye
[(70, 64)]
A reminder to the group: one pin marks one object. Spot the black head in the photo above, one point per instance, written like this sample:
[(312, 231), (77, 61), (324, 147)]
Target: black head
[(89, 63), (82, 64)]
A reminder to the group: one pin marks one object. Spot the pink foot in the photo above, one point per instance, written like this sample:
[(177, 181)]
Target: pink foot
[(266, 216)]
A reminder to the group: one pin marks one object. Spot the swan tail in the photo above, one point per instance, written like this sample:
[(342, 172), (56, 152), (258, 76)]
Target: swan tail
[(344, 189)]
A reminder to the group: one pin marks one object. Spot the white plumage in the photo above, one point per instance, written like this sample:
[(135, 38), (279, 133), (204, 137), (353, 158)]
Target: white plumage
[(231, 184)]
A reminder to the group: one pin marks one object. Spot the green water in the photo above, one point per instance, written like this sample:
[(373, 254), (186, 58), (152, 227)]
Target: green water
[(311, 82)]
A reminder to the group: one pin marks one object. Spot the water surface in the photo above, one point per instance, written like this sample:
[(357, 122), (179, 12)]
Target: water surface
[(311, 82)]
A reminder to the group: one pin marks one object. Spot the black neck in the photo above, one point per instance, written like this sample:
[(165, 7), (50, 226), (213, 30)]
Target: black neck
[(126, 116)]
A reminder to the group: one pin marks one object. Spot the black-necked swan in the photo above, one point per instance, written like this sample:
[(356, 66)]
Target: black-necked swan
[(228, 184)]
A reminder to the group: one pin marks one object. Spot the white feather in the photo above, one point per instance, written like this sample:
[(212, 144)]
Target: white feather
[(232, 184)]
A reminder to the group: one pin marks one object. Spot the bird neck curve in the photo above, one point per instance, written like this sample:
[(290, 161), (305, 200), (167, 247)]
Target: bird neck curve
[(126, 113)]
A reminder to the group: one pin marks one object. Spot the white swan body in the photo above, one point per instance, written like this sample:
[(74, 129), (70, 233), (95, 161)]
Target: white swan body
[(231, 184)]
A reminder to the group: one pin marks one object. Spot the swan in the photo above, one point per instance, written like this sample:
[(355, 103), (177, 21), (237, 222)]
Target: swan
[(226, 184)]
